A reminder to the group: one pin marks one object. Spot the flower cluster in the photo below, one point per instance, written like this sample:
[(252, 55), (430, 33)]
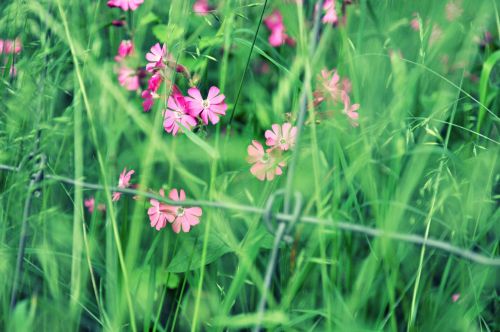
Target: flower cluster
[(269, 163), (127, 77), (335, 90), (278, 37), (330, 15), (90, 205)]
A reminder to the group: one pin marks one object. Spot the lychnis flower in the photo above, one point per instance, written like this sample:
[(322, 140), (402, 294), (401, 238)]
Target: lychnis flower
[(128, 78), (208, 109), (125, 49), (158, 213), (265, 164), (351, 110), (123, 182), (182, 217), (125, 4), (156, 57), (282, 137), (177, 113), (278, 37)]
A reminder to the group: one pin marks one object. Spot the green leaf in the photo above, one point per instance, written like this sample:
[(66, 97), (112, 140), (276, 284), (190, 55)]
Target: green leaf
[(148, 18), (168, 33), (488, 66), (188, 258)]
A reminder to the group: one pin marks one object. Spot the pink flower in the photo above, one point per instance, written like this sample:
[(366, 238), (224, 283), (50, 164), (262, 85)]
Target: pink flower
[(158, 213), (177, 112), (10, 46), (128, 78), (125, 4), (124, 49), (156, 57), (278, 37), (330, 12), (282, 137), (89, 204), (182, 217), (329, 81), (455, 297), (155, 82), (209, 108), (201, 7), (414, 23), (265, 164), (453, 10), (149, 98), (123, 182), (350, 110)]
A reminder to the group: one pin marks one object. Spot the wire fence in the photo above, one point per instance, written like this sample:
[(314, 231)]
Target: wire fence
[(286, 220)]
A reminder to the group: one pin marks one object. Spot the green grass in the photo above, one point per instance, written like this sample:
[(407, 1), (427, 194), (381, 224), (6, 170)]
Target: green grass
[(423, 161)]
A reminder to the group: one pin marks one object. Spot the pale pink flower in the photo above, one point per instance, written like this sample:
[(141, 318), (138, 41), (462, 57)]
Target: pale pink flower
[(346, 85), (182, 217), (10, 46), (128, 78), (101, 207), (330, 12), (415, 23), (329, 81), (125, 49), (156, 57), (208, 109), (201, 7), (89, 204), (177, 112), (453, 10), (455, 297), (125, 4), (123, 182), (282, 137), (351, 110), (436, 34), (265, 164), (158, 213)]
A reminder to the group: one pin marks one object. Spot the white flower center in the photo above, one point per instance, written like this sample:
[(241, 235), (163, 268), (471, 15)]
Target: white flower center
[(265, 158), (178, 115), (205, 103), (180, 212), (282, 141)]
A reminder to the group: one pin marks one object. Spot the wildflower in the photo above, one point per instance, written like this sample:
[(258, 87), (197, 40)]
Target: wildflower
[(209, 108), (125, 48), (455, 297), (265, 164), (278, 37), (282, 137), (415, 23), (125, 4), (182, 217), (123, 182), (201, 7), (89, 204), (329, 81), (10, 46), (453, 10), (156, 57), (350, 110), (436, 34), (149, 98), (154, 82), (330, 12), (158, 213), (177, 112), (128, 78)]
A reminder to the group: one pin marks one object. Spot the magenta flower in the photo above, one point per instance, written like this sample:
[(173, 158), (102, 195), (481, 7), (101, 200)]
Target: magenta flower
[(282, 137), (149, 98), (89, 204), (350, 110), (265, 164), (208, 109), (182, 217), (414, 23), (278, 37), (201, 7), (125, 4), (330, 12), (156, 57), (128, 78), (154, 82), (125, 49), (123, 182), (158, 213), (178, 112)]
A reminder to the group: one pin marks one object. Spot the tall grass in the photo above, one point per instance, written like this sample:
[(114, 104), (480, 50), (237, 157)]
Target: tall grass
[(424, 160)]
